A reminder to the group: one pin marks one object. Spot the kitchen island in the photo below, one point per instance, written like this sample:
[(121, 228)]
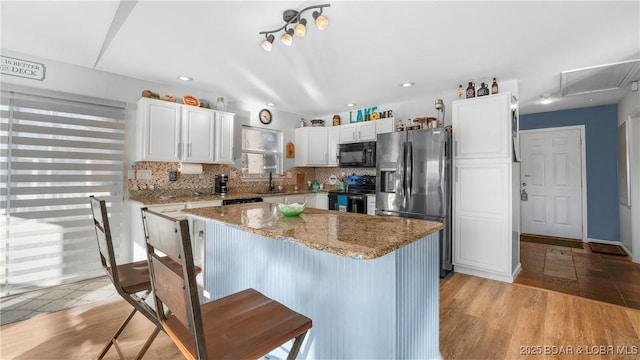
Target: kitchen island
[(369, 283)]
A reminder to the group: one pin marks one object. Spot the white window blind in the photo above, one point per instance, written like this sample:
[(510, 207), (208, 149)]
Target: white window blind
[(56, 152)]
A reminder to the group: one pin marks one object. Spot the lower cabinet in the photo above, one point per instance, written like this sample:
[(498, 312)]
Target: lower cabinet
[(136, 230), (317, 200), (314, 200), (484, 236)]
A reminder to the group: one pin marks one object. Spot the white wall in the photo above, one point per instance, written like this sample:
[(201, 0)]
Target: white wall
[(412, 109), (629, 110), (78, 80)]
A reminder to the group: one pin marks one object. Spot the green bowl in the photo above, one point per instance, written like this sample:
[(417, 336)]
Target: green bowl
[(290, 210)]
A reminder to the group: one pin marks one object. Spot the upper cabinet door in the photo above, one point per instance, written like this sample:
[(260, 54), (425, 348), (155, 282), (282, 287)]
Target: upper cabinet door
[(348, 133), (333, 139), (482, 127), (367, 131), (198, 129), (224, 137), (160, 122), (317, 146)]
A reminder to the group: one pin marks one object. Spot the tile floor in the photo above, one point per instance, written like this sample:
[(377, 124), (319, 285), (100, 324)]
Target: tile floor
[(27, 305), (609, 278)]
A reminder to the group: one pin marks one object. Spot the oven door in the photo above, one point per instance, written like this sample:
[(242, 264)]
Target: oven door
[(357, 203)]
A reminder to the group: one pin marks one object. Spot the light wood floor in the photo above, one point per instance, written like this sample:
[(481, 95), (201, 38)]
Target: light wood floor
[(479, 319)]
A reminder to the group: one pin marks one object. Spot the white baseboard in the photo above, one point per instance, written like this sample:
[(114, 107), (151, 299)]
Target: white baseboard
[(488, 274)]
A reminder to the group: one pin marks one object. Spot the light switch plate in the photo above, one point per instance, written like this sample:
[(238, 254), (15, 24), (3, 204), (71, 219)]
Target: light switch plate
[(143, 174), (232, 174)]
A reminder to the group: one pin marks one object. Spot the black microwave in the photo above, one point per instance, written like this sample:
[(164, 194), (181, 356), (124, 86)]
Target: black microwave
[(362, 154)]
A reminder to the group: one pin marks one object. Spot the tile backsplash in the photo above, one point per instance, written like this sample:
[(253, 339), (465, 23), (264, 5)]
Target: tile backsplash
[(204, 182)]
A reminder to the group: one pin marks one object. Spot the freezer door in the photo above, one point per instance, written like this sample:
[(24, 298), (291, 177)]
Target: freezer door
[(428, 192), (390, 171)]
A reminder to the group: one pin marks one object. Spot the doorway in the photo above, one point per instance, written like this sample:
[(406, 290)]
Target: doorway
[(553, 182)]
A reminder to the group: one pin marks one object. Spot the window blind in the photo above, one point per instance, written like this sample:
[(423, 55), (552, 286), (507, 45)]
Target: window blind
[(55, 153)]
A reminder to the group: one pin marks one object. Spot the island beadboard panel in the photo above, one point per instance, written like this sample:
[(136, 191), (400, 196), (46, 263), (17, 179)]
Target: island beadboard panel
[(204, 182)]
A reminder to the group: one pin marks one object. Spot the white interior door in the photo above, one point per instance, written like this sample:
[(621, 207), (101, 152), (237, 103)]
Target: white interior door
[(551, 183)]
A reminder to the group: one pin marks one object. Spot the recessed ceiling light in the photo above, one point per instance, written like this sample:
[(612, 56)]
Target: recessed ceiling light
[(546, 99), (270, 104), (407, 84), (351, 104), (185, 78)]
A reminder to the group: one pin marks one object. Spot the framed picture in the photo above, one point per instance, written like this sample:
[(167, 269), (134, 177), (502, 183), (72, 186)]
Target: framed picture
[(623, 164)]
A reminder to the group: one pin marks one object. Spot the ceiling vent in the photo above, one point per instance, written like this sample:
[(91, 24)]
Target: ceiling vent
[(599, 78)]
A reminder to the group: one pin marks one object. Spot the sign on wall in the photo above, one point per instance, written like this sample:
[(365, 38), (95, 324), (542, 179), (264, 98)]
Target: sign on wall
[(21, 68)]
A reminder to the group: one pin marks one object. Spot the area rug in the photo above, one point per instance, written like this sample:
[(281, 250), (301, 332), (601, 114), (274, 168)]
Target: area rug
[(607, 249), (550, 240)]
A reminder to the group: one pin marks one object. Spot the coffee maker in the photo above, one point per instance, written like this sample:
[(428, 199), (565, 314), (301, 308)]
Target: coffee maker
[(220, 184)]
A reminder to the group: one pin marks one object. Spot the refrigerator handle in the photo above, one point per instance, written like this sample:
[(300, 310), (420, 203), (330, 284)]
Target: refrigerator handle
[(404, 171), (410, 169)]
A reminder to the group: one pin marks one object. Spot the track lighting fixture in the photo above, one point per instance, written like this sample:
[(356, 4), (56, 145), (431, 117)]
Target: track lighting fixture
[(292, 17)]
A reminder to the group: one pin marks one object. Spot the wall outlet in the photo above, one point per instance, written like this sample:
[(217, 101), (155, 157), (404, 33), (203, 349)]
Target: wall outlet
[(131, 175), (143, 174), (233, 174), (173, 175), (289, 175)]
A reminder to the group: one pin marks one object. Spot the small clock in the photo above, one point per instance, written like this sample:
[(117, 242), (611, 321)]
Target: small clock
[(265, 116)]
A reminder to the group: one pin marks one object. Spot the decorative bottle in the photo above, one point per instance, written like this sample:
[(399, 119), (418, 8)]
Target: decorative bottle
[(471, 90), (220, 104), (494, 87), (483, 90), (460, 93)]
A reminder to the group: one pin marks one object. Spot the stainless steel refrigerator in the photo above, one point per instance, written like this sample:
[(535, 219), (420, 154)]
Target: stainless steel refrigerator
[(413, 169)]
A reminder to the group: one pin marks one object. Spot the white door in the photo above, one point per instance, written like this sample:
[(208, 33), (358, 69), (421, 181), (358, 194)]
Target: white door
[(551, 176)]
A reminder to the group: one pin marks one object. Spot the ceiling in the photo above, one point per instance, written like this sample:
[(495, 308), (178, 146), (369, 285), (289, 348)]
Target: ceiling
[(369, 48)]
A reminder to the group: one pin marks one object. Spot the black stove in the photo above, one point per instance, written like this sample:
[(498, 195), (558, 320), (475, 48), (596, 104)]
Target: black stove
[(355, 198)]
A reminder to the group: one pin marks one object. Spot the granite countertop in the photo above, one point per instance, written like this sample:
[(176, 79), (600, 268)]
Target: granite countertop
[(352, 235), (147, 197)]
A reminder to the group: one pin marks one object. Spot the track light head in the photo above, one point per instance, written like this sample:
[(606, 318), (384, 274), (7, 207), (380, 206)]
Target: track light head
[(287, 38), (268, 42), (321, 21), (301, 28)]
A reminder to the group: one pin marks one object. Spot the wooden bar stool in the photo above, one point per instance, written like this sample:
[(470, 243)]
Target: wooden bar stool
[(129, 279), (243, 325)]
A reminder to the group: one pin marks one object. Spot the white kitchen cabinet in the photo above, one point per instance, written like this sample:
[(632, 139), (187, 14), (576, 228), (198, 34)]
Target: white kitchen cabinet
[(317, 200), (485, 230), (358, 132), (173, 132), (482, 127), (312, 147), (198, 129), (274, 199), (322, 201), (174, 210), (284, 199), (386, 125), (333, 141), (224, 137), (158, 127)]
